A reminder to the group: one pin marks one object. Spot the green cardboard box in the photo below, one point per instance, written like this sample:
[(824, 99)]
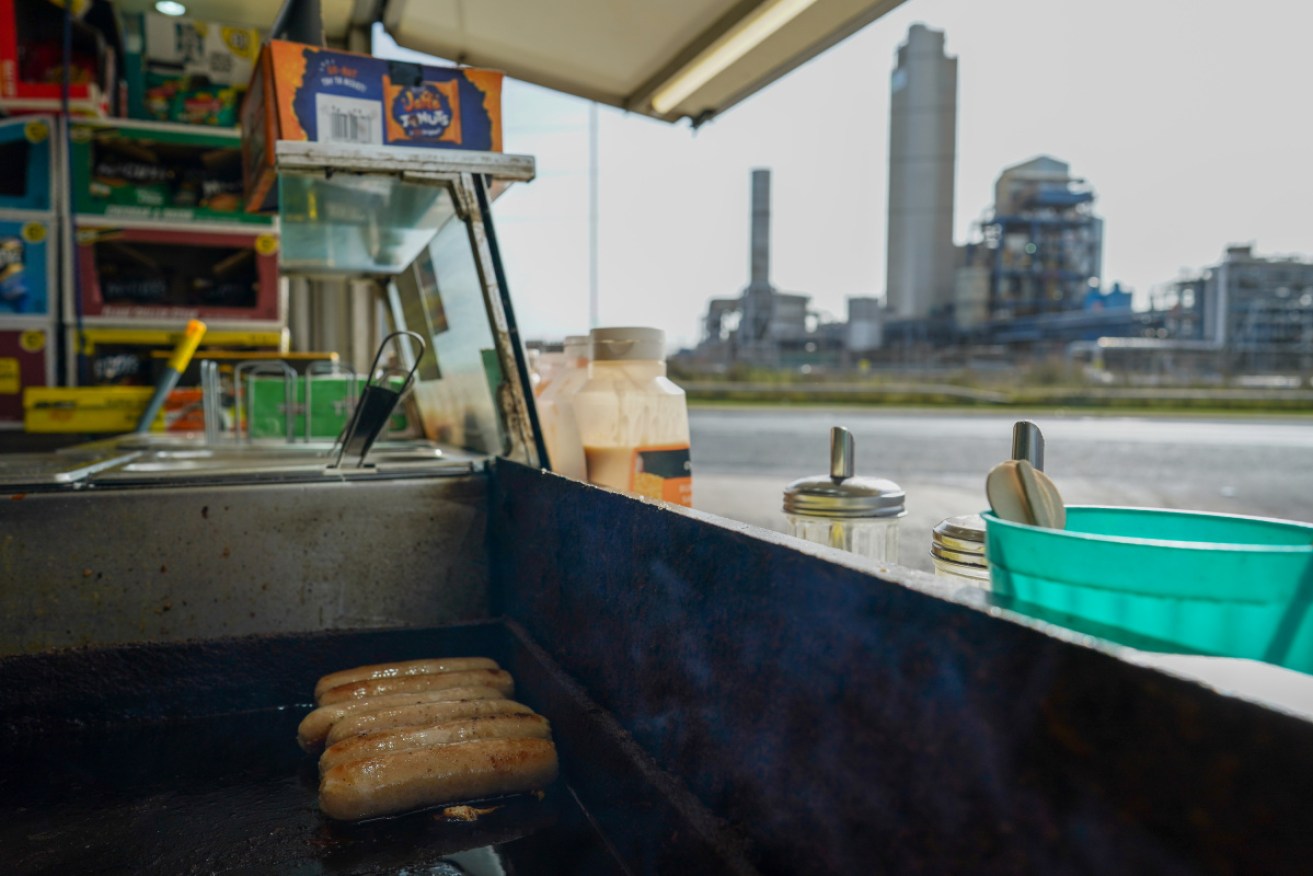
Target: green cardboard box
[(175, 173), (332, 399)]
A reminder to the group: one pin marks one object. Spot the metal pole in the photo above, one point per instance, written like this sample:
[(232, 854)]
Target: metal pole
[(592, 216)]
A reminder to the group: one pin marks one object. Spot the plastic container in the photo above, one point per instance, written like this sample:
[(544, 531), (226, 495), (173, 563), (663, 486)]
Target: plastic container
[(565, 449), (633, 422), (854, 514), (957, 550), (1218, 584)]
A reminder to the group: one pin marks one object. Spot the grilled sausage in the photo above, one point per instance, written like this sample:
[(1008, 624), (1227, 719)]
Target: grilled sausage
[(359, 690), (410, 738), (373, 720), (315, 726), (386, 784), (401, 670)]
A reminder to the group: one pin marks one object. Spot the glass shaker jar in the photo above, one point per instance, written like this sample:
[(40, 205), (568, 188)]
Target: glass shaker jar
[(957, 549), (855, 514)]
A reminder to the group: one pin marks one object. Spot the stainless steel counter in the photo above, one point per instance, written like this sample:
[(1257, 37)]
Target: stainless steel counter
[(168, 540)]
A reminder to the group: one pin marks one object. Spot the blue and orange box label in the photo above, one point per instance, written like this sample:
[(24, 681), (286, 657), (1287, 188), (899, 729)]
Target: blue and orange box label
[(306, 93)]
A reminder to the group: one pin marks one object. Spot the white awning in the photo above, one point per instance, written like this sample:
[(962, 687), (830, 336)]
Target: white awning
[(668, 59), (664, 58)]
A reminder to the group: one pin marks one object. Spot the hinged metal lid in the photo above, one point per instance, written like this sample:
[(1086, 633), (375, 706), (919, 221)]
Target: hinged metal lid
[(840, 494)]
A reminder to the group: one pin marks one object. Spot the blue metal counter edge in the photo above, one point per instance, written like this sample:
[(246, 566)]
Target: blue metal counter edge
[(849, 724)]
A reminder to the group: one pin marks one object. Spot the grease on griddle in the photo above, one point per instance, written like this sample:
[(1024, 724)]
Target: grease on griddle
[(465, 812)]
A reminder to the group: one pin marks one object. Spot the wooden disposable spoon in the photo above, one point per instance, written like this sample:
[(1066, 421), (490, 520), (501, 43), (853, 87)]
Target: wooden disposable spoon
[(1019, 492)]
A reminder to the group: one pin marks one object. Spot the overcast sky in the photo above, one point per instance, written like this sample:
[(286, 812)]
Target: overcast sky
[(1191, 119)]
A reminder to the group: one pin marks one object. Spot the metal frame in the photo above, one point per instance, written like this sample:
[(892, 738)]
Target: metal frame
[(403, 160), (465, 174)]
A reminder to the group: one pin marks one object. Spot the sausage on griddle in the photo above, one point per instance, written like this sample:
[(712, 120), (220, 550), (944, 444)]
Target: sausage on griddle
[(498, 679), (373, 720), (410, 738), (401, 670), (390, 783), (315, 726)]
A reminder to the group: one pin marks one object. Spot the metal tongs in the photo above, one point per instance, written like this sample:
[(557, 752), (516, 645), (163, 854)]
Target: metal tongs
[(375, 405)]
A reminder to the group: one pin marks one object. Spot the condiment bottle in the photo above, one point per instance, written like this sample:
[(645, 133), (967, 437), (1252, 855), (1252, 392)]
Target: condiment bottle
[(856, 514), (633, 422), (565, 449)]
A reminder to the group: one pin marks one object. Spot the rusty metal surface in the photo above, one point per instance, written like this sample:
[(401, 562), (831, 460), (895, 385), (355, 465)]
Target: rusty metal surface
[(182, 759), (170, 564), (348, 158), (515, 394), (851, 724)]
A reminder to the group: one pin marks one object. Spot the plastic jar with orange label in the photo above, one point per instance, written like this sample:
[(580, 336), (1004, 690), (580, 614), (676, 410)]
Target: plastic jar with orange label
[(556, 409), (632, 420)]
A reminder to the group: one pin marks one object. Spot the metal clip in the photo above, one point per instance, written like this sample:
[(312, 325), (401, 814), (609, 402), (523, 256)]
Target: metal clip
[(375, 406)]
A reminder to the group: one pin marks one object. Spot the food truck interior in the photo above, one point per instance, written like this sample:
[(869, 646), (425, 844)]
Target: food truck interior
[(723, 699)]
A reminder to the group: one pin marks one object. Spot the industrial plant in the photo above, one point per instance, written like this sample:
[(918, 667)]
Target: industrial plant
[(1029, 280)]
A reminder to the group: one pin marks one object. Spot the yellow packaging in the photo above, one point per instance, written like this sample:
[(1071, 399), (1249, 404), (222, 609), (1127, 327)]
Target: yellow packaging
[(85, 409)]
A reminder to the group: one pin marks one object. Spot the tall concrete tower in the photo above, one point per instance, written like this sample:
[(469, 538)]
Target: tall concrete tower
[(759, 297), (760, 227), (922, 159)]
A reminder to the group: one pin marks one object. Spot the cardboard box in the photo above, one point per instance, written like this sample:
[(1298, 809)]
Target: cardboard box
[(174, 173), (27, 160), (311, 94), (27, 266), (112, 355), (112, 409), (332, 400), (187, 70), (162, 274), (32, 61), (27, 359)]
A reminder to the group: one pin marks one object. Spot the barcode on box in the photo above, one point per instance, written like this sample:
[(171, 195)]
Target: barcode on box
[(347, 126), (348, 119)]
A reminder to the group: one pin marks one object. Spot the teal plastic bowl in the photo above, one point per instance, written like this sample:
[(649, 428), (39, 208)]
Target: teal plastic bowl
[(1212, 583)]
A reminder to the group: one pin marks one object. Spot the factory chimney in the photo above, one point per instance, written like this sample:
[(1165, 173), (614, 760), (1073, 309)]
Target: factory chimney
[(760, 229), (758, 307)]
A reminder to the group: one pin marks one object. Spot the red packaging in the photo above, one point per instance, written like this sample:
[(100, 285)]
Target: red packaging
[(31, 61), (165, 275), (26, 359)]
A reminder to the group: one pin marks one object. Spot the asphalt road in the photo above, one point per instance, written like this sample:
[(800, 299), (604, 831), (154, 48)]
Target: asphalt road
[(744, 457)]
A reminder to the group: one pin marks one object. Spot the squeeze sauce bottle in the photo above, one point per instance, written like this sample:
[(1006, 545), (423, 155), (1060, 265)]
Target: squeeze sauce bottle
[(565, 451), (633, 422)]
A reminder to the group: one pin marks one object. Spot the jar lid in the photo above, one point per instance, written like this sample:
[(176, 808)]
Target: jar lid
[(628, 343), (840, 494), (960, 540), (821, 496)]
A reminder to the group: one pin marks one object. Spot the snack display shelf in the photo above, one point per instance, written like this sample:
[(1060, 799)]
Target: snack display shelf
[(200, 226), (27, 359)]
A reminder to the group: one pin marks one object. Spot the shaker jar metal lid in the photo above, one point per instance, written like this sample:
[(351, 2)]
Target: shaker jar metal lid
[(821, 496), (960, 540), (840, 494)]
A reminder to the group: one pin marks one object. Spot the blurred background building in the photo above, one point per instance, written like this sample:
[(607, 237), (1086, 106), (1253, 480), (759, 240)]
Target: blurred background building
[(1029, 282), (1255, 311), (762, 326)]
